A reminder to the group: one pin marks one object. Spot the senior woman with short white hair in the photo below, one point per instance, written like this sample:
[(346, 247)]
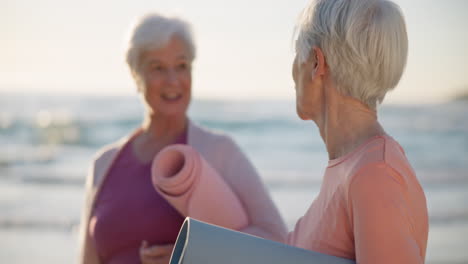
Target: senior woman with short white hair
[(371, 207), (125, 220)]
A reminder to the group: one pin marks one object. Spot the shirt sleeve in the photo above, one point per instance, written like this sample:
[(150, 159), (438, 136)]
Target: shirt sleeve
[(244, 180), (382, 221)]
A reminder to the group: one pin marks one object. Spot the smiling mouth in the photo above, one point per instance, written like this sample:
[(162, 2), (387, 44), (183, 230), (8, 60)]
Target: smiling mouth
[(171, 97)]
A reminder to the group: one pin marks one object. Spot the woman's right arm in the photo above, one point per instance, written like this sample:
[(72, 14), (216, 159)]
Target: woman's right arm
[(382, 218), (88, 254), (102, 161), (264, 218)]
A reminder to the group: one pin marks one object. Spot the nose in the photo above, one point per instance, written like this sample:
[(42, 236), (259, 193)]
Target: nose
[(172, 78)]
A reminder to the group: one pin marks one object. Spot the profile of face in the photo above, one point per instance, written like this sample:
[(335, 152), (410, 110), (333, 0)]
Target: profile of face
[(309, 86), (167, 78)]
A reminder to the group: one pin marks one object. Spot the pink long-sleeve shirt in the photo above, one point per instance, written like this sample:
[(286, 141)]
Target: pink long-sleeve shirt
[(370, 208)]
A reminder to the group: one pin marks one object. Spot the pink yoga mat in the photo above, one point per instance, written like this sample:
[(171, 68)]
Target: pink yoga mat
[(182, 176)]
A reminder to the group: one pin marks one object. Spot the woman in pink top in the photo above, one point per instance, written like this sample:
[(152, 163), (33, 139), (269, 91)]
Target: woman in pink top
[(371, 207), (125, 220)]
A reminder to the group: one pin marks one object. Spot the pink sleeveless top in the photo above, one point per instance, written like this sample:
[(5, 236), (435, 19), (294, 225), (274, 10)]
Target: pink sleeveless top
[(129, 210)]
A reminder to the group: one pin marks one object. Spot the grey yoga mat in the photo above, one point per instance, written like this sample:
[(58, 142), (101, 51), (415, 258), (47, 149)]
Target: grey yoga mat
[(202, 243)]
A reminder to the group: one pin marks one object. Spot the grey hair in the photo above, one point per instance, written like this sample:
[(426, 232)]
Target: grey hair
[(153, 31), (364, 42)]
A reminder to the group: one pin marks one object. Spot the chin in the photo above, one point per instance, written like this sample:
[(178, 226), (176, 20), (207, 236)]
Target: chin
[(175, 113), (301, 114), (175, 110)]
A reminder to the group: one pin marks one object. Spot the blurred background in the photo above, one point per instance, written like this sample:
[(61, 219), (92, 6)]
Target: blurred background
[(65, 92)]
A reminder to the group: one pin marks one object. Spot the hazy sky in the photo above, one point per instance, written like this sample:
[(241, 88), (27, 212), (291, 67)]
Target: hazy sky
[(244, 46)]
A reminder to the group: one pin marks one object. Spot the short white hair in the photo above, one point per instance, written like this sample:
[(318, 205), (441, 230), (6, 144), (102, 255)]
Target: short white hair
[(153, 31), (364, 42)]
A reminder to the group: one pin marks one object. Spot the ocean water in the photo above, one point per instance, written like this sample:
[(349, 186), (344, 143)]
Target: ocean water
[(47, 143)]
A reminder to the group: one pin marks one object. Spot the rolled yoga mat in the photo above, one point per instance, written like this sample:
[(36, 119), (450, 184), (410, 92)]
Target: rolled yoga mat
[(186, 180), (202, 243)]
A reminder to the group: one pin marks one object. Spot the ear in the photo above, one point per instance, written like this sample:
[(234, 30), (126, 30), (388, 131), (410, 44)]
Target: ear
[(320, 63)]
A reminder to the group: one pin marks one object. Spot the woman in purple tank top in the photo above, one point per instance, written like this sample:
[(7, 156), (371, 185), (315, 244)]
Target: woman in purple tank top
[(125, 220)]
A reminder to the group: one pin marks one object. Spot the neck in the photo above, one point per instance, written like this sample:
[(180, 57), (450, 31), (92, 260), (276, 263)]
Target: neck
[(157, 132), (346, 123), (163, 128)]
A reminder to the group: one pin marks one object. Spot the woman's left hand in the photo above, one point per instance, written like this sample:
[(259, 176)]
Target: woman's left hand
[(158, 254)]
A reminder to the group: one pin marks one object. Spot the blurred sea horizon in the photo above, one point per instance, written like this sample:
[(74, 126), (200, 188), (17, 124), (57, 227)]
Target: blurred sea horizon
[(47, 144)]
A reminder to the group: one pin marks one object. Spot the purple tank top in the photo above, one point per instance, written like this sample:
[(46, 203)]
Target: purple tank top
[(129, 210)]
